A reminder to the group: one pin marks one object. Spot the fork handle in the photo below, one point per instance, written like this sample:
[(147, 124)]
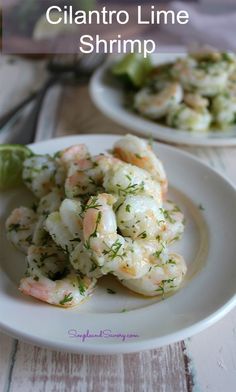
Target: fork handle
[(28, 127), (8, 116)]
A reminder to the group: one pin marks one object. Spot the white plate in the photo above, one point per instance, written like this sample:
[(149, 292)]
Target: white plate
[(108, 96), (208, 246)]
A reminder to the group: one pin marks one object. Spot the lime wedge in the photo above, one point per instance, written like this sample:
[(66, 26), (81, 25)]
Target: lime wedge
[(133, 67), (12, 157)]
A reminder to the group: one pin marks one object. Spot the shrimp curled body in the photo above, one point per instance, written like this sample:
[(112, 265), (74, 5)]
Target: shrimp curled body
[(49, 280)]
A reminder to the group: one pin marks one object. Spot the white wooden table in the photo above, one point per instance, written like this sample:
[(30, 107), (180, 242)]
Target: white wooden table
[(205, 362)]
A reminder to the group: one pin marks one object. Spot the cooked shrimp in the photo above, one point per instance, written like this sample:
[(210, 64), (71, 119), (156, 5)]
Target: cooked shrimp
[(60, 233), (207, 55), (46, 261), (40, 235), (174, 220), (154, 251), (184, 118), (41, 174), (140, 217), (48, 204), (156, 104), (85, 177), (204, 77), (82, 260), (128, 259), (124, 258), (224, 108), (196, 101), (110, 254), (49, 279), (113, 253), (99, 223), (70, 212), (138, 152), (66, 226), (20, 227), (125, 179), (99, 217), (160, 279), (72, 154)]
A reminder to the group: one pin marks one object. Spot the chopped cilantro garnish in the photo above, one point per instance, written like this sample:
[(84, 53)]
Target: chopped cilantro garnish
[(162, 285), (93, 203), (81, 288), (128, 207), (113, 250), (159, 252), (16, 227), (76, 240), (131, 189), (110, 291), (167, 215), (45, 256), (143, 235), (67, 298)]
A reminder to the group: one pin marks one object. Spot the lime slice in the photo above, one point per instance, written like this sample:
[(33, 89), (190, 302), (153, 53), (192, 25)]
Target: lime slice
[(12, 157), (133, 67)]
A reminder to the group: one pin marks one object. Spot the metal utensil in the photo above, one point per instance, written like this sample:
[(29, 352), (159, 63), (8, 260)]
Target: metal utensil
[(62, 69), (18, 108)]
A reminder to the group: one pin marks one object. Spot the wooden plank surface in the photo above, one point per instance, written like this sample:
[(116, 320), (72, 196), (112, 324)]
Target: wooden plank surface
[(210, 356), (7, 347), (38, 370)]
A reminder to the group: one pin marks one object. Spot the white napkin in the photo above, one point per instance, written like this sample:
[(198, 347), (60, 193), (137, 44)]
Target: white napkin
[(217, 29), (18, 79)]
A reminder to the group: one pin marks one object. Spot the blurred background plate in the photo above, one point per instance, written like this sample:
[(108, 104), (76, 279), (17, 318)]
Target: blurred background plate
[(109, 96)]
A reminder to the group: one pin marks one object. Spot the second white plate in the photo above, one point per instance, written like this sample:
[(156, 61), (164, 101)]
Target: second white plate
[(108, 96)]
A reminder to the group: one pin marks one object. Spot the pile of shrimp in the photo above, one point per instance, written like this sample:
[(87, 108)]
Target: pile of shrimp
[(196, 93), (97, 215)]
